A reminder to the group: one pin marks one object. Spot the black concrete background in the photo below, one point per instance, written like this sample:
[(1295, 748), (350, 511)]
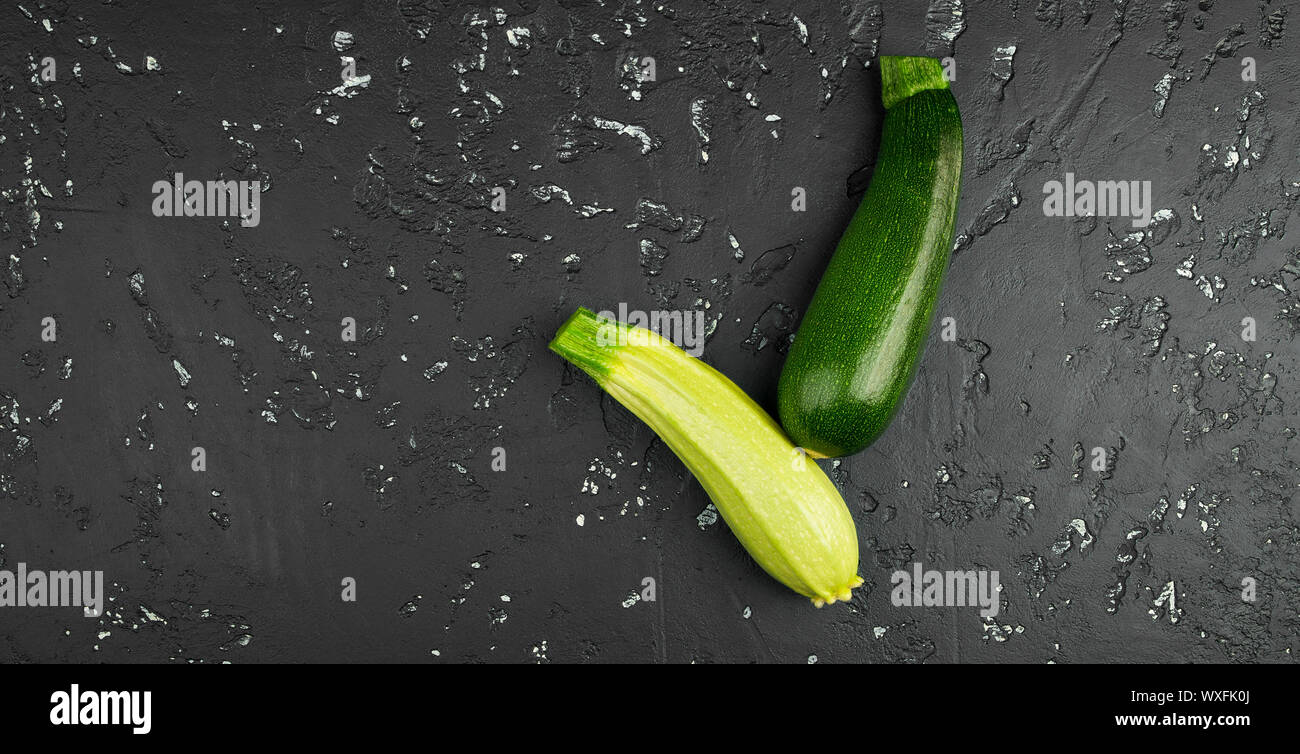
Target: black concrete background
[(329, 460)]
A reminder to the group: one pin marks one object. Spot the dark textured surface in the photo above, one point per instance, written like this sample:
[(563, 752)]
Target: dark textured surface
[(329, 460)]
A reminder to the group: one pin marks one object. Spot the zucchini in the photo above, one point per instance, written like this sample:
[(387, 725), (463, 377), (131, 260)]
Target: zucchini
[(775, 499), (863, 334)]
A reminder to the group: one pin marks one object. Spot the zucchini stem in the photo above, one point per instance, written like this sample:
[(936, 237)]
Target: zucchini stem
[(902, 77), (590, 343)]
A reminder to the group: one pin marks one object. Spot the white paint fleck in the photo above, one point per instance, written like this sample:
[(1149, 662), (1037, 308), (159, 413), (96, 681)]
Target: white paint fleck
[(343, 40)]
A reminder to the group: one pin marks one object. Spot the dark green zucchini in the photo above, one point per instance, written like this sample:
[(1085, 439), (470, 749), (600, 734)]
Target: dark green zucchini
[(862, 335)]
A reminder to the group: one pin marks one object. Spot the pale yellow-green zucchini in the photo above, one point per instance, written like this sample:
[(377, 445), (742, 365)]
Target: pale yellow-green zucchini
[(775, 499)]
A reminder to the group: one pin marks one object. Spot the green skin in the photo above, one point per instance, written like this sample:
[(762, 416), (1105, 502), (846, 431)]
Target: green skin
[(862, 336)]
